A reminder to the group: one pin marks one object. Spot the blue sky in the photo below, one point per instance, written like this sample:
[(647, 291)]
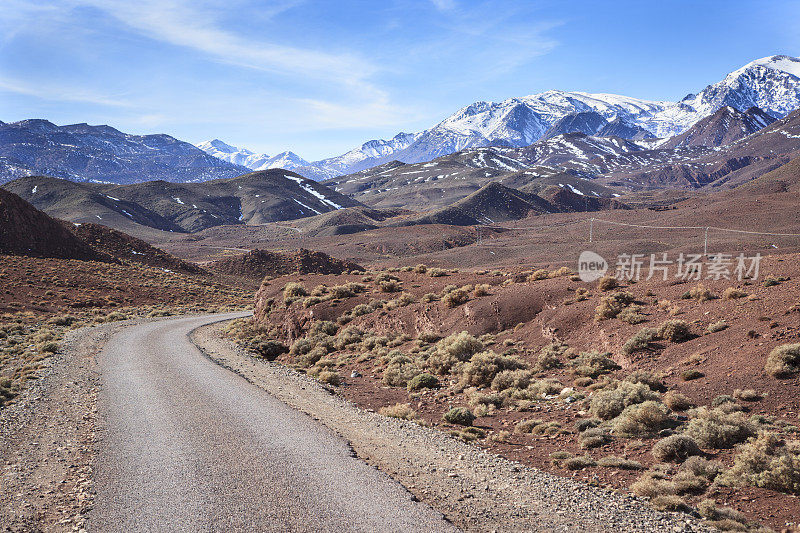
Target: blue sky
[(321, 77)]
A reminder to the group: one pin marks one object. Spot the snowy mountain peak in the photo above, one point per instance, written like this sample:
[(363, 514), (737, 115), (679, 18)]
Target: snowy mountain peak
[(220, 146), (781, 63)]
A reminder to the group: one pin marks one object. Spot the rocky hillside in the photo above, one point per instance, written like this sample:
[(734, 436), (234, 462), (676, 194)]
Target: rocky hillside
[(258, 264)]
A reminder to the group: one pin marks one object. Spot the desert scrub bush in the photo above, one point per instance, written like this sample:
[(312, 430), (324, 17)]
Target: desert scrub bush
[(329, 377), (348, 336), (268, 349), (699, 292), (612, 305), (561, 272), (63, 320), (593, 364), (594, 438), (539, 389), (47, 347), (607, 283), (641, 420), (653, 483), (511, 379), (456, 297), (115, 316), (732, 293), (783, 361), (747, 395), (468, 434), (674, 331), (609, 404), (550, 356), (483, 367), (398, 410), (423, 381), (631, 315), (323, 327), (347, 290), (620, 463), (451, 350), (771, 281), (691, 375), (460, 416), (640, 341), (675, 448), (767, 461), (390, 286), (677, 401), (400, 370), (716, 327), (715, 428), (702, 467), (648, 378), (481, 289), (420, 269), (293, 291), (437, 272), (539, 275), (722, 518)]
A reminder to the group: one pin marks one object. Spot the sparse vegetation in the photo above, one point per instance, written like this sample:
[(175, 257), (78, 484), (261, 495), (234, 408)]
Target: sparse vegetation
[(675, 448), (460, 416), (716, 428), (767, 461), (783, 361), (398, 410)]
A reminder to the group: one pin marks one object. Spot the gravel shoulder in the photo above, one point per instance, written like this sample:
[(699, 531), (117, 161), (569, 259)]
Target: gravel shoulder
[(47, 439), (474, 489)]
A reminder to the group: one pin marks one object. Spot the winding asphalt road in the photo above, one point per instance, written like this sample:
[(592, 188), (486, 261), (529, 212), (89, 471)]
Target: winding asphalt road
[(185, 445)]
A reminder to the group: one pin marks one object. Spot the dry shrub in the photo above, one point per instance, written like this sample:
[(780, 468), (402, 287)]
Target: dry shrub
[(723, 518), (716, 327), (640, 341), (692, 374), (669, 502), (593, 364), (347, 336), (456, 297), (609, 404), (483, 367), (677, 401), (550, 356), (783, 361), (701, 467), (390, 285), (715, 428), (436, 272), (398, 410), (330, 377), (560, 272), (420, 269), (732, 293), (631, 315), (648, 378), (292, 291), (641, 420), (620, 463), (653, 483), (607, 283), (511, 379), (676, 448), (539, 275), (699, 292), (769, 462), (482, 289), (400, 370), (612, 305), (594, 438), (747, 395), (674, 331), (460, 416), (541, 388), (450, 351)]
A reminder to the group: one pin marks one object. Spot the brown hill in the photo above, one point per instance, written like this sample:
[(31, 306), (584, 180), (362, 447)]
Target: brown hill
[(24, 230), (726, 126), (257, 264)]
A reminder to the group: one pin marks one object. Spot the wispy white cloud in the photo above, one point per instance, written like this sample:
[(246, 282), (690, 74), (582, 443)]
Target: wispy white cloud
[(56, 93), (444, 5)]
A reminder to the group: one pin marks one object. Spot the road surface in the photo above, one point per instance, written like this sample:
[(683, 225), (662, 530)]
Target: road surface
[(185, 445)]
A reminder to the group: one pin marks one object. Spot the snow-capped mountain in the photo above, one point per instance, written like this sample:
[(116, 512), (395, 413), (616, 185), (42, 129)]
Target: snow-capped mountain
[(248, 158), (771, 83)]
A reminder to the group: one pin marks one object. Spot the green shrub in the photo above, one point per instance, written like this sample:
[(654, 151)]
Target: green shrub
[(423, 381), (460, 416), (783, 361), (400, 370)]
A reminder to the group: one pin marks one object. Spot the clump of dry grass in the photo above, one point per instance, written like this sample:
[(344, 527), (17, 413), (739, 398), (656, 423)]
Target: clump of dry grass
[(722, 518), (481, 289), (607, 283), (620, 463), (674, 331), (783, 361), (579, 463), (732, 293), (747, 395), (767, 461), (398, 410), (593, 438), (676, 448), (717, 326), (699, 292)]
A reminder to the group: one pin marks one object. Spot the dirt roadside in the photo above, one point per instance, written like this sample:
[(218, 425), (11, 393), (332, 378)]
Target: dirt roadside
[(476, 490)]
